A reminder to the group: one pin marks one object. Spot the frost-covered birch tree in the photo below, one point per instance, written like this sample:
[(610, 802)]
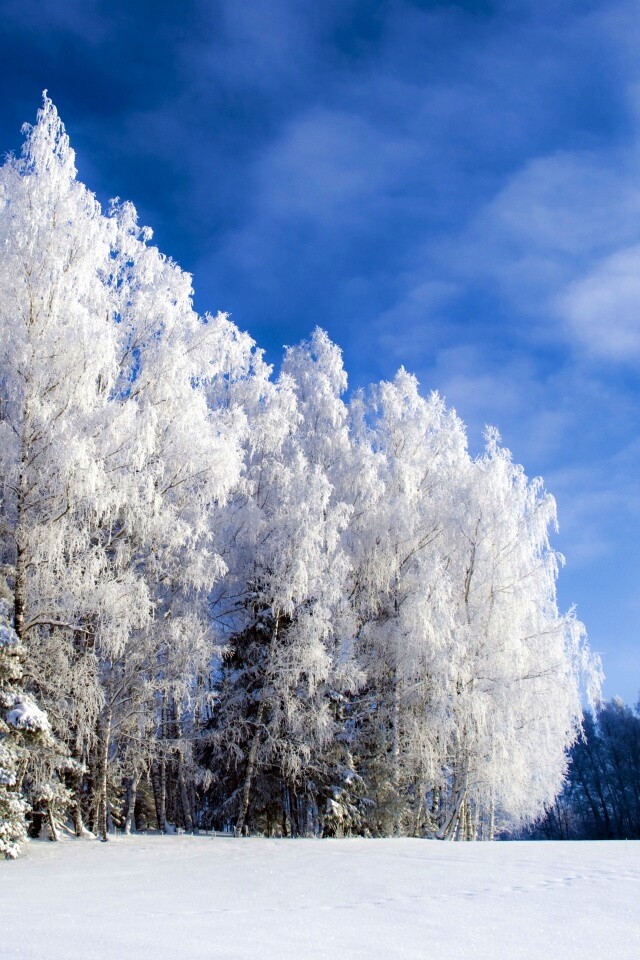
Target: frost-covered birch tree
[(415, 449), (112, 463), (459, 635), (57, 356), (518, 662), (172, 458)]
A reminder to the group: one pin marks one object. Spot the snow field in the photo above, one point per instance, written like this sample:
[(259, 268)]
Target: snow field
[(204, 898)]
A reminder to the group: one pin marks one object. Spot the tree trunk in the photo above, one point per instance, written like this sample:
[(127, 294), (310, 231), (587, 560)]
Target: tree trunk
[(468, 826), (53, 827), (193, 806), (492, 820), (103, 763), (459, 795), (184, 798), (291, 806), (20, 583), (130, 803), (250, 771), (78, 825), (285, 795), (395, 759), (255, 744), (20, 591), (420, 799), (158, 783)]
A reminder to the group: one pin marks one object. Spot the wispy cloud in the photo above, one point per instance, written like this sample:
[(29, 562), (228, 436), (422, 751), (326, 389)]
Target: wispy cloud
[(602, 309)]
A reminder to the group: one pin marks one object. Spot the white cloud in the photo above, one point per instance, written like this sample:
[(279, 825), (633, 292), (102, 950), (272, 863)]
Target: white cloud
[(413, 325), (332, 165), (602, 309), (560, 243)]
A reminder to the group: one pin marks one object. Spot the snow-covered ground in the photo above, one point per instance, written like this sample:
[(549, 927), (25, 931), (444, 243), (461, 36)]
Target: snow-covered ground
[(213, 897)]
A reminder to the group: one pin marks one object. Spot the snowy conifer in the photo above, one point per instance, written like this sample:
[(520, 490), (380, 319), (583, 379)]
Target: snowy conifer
[(22, 725)]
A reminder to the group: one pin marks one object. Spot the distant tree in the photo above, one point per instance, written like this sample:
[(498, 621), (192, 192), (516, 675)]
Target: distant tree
[(601, 797)]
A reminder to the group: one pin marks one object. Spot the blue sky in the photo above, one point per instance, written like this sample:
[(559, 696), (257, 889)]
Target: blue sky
[(450, 186)]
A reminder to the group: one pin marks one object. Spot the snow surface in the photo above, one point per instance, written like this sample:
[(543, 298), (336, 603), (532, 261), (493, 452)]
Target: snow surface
[(208, 897)]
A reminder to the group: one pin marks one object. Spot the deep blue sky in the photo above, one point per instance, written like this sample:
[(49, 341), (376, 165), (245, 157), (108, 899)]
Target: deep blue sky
[(450, 186)]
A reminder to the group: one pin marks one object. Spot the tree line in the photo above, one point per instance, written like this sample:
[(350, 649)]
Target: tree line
[(600, 799), (233, 598)]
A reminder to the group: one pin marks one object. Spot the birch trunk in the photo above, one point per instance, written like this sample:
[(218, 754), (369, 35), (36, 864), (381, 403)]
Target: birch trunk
[(250, 772), (420, 793), (78, 825), (158, 783), (53, 827), (103, 763), (130, 804), (20, 583), (184, 798)]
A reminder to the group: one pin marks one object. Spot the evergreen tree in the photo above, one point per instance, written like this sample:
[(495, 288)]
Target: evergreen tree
[(23, 725)]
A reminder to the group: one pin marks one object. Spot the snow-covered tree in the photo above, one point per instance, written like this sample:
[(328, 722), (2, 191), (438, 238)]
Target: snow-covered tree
[(411, 451), (172, 457), (278, 604), (459, 634), (320, 381), (57, 356), (112, 458), (23, 726), (519, 664)]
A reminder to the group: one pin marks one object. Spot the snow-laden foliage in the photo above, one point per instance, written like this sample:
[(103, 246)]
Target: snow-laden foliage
[(24, 732), (239, 599)]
